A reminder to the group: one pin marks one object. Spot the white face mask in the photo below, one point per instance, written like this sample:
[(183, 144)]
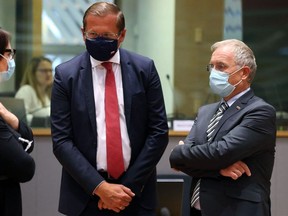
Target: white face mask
[(219, 82), (6, 75)]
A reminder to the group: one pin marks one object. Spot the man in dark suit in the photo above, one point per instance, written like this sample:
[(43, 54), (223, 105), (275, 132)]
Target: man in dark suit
[(79, 117), (231, 158)]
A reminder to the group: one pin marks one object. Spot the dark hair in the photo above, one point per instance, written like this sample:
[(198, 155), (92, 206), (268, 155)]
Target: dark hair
[(4, 40), (102, 9)]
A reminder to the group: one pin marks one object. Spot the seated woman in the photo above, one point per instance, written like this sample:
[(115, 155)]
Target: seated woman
[(36, 88)]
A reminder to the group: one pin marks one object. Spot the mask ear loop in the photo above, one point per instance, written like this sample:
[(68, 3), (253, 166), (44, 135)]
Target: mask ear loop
[(5, 57), (236, 71), (7, 60), (238, 83)]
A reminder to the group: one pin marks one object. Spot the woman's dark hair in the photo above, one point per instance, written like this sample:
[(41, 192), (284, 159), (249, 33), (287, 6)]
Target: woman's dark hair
[(4, 40)]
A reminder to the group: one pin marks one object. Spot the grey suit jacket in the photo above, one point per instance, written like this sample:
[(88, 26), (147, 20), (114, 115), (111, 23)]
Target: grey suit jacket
[(246, 132), (74, 132)]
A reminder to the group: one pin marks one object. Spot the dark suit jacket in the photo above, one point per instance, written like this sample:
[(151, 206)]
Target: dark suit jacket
[(74, 129), (246, 132), (16, 166)]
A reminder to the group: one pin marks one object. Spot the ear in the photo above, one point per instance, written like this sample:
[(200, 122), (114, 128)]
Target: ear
[(83, 34), (246, 72), (122, 36)]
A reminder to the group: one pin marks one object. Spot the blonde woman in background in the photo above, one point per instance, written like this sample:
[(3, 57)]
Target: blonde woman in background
[(36, 88)]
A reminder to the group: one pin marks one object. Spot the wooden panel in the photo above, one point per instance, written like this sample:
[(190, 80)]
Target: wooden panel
[(198, 24)]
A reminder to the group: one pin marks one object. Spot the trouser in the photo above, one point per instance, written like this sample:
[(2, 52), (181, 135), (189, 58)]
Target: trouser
[(195, 212)]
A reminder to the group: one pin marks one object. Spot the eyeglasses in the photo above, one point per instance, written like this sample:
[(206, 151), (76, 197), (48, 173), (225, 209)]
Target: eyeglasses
[(222, 67), (12, 53), (94, 35), (219, 67)]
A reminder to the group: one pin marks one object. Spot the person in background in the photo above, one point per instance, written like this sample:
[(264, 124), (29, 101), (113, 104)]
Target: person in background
[(230, 149), (36, 87), (87, 108), (16, 142)]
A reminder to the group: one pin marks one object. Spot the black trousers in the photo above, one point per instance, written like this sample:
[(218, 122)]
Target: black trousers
[(10, 198), (195, 212)]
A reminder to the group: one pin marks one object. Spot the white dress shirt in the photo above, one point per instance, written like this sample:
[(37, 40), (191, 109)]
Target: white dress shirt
[(236, 97), (98, 76)]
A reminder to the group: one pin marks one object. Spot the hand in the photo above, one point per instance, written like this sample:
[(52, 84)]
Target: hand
[(179, 143), (115, 197), (9, 117), (236, 170)]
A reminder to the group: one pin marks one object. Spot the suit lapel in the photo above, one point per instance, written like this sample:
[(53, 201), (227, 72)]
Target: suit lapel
[(206, 114), (86, 75), (127, 79), (238, 105)]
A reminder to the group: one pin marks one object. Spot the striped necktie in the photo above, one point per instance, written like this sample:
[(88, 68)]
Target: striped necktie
[(215, 120), (211, 127)]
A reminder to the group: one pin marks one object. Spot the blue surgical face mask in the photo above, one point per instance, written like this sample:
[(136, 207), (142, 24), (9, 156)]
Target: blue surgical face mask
[(101, 49), (6, 75), (219, 82)]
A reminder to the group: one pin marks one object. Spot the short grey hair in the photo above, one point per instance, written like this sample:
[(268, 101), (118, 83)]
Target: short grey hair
[(243, 55)]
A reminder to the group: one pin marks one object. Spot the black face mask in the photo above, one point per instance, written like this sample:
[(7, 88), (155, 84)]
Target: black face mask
[(101, 49)]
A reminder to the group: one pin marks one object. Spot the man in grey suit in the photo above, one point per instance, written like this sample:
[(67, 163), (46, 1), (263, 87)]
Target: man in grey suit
[(79, 122), (232, 158)]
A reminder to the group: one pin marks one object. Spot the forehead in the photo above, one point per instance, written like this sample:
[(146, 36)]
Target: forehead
[(106, 23), (222, 54), (45, 64)]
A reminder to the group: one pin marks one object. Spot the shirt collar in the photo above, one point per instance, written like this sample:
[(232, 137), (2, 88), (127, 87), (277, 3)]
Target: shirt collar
[(233, 99), (114, 59)]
